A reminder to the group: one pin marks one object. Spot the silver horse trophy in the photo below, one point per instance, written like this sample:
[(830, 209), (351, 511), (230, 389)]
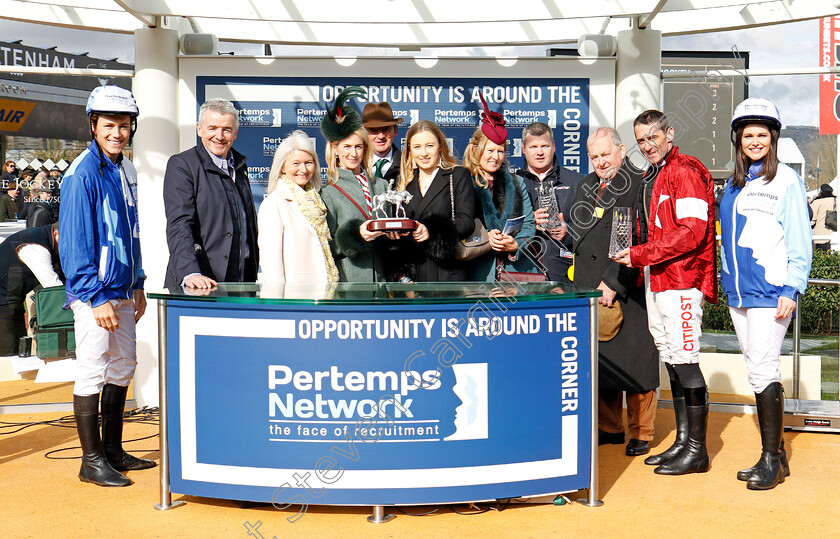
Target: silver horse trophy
[(400, 222)]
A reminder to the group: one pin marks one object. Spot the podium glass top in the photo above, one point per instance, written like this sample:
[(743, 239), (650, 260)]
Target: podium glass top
[(378, 293)]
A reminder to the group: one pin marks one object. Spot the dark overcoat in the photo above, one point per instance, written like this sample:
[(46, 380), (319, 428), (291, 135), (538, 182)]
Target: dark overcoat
[(629, 361), (436, 257), (393, 172), (199, 220)]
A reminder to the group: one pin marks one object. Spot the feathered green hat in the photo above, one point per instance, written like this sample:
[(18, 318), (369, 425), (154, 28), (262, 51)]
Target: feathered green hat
[(342, 120)]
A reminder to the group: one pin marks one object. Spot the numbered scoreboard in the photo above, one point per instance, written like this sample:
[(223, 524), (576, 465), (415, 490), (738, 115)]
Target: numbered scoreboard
[(700, 107)]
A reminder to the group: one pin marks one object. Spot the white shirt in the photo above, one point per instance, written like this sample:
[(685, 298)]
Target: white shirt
[(38, 259)]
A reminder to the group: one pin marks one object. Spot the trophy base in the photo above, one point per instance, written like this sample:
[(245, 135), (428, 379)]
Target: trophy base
[(392, 224)]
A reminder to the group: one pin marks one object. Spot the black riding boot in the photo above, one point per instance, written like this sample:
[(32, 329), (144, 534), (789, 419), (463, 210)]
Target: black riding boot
[(746, 473), (682, 424), (95, 468), (113, 407), (693, 457), (769, 471)]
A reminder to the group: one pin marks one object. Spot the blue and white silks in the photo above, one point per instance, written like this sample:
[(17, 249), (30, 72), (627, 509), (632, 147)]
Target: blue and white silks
[(765, 239)]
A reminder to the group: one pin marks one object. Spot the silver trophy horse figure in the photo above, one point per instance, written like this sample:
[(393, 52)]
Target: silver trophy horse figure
[(397, 198)]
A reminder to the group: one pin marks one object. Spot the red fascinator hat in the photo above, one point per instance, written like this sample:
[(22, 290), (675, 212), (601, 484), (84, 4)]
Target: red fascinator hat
[(492, 124)]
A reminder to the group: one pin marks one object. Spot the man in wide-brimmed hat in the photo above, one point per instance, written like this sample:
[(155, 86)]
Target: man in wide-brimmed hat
[(8, 201), (379, 120)]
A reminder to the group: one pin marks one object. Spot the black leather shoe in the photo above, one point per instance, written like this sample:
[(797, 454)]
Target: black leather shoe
[(637, 447), (615, 438)]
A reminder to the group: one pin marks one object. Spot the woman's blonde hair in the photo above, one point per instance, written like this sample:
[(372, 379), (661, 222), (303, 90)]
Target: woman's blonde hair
[(332, 155), (472, 156), (407, 166), (297, 140)]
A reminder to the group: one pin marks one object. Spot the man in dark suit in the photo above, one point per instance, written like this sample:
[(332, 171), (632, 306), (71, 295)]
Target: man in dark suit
[(378, 119), (211, 224), (629, 361), (542, 171)]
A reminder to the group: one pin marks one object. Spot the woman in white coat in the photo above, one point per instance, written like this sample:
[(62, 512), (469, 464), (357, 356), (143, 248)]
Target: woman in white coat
[(294, 238)]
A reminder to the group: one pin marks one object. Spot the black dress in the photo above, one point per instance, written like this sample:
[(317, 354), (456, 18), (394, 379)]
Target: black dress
[(434, 259)]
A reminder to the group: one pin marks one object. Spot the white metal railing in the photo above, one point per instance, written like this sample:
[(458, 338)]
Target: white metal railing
[(797, 335)]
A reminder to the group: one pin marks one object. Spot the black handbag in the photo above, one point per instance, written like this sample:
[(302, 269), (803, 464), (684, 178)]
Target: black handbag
[(477, 243), (831, 217)]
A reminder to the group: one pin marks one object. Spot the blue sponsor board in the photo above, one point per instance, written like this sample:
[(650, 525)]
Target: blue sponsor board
[(403, 404), (272, 107)]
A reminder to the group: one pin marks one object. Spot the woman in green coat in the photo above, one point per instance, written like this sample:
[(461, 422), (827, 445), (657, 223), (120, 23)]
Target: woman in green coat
[(350, 192), (8, 203), (356, 250)]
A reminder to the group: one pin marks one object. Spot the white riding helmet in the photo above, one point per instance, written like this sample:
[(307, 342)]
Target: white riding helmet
[(112, 100), (756, 110)]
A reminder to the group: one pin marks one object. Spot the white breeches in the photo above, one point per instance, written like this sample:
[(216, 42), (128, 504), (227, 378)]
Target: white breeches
[(674, 320), (760, 336), (103, 357)]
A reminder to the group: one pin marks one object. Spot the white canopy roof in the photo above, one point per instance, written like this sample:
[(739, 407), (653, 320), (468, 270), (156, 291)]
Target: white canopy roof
[(412, 24), (789, 152)]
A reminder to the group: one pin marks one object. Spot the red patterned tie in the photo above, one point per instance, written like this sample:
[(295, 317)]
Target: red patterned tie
[(366, 190)]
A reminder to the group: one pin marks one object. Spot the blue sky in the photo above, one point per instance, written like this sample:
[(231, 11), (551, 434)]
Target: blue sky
[(772, 47)]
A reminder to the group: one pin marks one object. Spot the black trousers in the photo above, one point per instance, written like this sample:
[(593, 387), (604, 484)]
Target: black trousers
[(12, 328)]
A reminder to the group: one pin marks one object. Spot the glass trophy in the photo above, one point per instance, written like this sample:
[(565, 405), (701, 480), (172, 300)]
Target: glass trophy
[(547, 200), (622, 228)]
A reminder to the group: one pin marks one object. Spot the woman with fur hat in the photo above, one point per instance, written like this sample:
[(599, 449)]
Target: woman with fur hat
[(500, 196), (348, 195), (442, 202)]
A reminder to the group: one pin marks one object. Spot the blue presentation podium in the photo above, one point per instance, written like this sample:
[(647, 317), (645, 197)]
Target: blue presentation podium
[(378, 394)]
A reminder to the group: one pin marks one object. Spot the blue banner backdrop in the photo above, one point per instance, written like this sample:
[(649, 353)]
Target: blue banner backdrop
[(272, 107), (378, 405)]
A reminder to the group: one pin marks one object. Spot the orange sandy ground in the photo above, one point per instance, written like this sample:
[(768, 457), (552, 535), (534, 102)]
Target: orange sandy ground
[(43, 498)]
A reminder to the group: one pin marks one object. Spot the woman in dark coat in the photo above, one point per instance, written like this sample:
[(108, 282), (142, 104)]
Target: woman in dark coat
[(442, 202), (629, 361)]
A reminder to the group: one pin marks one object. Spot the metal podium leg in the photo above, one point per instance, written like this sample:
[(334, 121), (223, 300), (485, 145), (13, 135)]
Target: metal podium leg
[(165, 495), (592, 493), (379, 516), (797, 358)]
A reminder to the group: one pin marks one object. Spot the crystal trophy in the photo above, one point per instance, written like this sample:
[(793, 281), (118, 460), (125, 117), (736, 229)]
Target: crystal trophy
[(548, 201), (380, 219), (620, 236)]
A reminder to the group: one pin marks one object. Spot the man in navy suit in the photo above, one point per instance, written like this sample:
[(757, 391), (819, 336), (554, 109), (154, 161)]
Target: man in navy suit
[(211, 224)]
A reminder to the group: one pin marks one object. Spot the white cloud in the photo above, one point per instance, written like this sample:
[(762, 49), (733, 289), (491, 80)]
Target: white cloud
[(794, 45)]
